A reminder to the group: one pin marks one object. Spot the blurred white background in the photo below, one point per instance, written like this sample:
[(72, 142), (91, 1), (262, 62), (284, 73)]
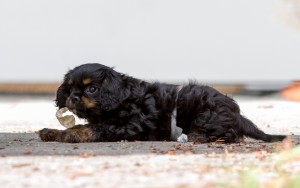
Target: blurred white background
[(167, 40)]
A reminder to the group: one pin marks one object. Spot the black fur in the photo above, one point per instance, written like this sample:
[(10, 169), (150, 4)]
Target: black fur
[(125, 108)]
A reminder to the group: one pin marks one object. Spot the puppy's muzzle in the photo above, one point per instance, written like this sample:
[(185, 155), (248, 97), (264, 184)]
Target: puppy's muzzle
[(72, 101), (75, 99)]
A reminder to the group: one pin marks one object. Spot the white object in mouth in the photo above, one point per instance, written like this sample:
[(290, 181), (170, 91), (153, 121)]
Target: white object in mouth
[(67, 121)]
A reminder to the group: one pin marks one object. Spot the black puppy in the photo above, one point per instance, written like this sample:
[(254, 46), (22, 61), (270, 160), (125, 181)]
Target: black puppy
[(118, 107)]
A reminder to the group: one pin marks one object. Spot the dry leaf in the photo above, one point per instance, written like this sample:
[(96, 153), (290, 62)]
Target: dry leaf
[(170, 152), (81, 173), (19, 165), (230, 149)]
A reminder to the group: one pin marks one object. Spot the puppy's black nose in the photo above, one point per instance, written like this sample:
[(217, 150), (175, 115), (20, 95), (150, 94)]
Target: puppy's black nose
[(75, 99)]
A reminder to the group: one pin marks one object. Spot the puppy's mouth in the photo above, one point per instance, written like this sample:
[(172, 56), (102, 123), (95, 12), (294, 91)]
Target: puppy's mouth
[(77, 109), (81, 113)]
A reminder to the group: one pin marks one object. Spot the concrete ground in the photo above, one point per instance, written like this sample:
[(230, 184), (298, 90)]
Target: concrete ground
[(27, 162)]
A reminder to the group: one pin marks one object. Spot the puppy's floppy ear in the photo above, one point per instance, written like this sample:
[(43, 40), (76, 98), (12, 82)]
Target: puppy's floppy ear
[(113, 90), (62, 93)]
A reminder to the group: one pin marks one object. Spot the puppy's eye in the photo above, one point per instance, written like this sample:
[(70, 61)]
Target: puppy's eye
[(91, 90)]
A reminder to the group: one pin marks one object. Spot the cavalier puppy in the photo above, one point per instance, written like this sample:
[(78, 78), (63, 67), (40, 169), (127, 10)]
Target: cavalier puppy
[(118, 107)]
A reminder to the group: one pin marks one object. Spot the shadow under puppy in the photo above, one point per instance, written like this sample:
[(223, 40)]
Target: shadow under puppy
[(119, 107)]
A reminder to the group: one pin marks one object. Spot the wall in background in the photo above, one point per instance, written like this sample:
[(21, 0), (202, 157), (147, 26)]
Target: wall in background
[(169, 40)]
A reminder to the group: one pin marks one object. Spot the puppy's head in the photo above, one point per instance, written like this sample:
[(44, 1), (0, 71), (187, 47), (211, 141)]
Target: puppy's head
[(91, 89)]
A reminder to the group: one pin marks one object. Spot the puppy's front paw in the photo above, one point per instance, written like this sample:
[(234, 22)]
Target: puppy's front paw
[(48, 135)]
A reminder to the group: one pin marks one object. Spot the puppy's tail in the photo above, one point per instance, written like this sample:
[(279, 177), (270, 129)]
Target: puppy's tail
[(249, 129)]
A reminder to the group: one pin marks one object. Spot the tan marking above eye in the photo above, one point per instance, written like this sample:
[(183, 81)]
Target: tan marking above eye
[(86, 81), (87, 102)]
